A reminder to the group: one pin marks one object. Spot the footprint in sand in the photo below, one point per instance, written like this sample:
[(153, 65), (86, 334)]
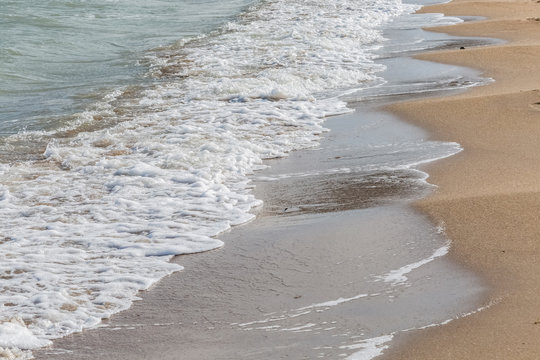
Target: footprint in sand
[(536, 106)]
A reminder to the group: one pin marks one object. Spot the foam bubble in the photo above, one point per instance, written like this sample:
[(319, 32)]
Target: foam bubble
[(398, 276), (369, 348), (15, 334), (157, 172)]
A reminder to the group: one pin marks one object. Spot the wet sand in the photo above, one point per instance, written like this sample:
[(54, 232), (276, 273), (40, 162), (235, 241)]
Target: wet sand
[(304, 279), (489, 195), (272, 291), (300, 281)]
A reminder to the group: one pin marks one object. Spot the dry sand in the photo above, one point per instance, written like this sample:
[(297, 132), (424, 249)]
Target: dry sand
[(489, 195)]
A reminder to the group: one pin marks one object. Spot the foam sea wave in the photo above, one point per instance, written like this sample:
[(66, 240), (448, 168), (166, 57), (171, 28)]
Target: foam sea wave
[(98, 216)]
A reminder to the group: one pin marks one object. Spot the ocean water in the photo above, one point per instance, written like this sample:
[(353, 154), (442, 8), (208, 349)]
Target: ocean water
[(129, 130), (58, 57)]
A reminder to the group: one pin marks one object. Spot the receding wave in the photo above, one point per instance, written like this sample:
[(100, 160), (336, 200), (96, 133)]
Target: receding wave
[(158, 170)]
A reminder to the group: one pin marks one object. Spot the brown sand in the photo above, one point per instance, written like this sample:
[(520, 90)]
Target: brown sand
[(489, 195)]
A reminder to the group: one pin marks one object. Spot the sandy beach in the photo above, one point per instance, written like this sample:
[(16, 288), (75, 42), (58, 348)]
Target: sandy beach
[(276, 276), (489, 194)]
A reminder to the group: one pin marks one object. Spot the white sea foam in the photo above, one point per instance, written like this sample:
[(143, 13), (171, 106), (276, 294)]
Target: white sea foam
[(97, 219), (369, 348), (373, 347), (14, 334), (336, 302), (398, 276)]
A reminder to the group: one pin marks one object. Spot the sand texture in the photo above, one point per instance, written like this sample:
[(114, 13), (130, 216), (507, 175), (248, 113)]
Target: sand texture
[(489, 195)]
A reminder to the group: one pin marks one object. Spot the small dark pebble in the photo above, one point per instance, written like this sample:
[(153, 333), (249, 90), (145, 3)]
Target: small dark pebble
[(462, 48), (298, 296)]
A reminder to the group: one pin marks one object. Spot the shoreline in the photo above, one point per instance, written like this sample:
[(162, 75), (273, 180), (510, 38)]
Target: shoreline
[(488, 195), (181, 300), (125, 323), (292, 283)]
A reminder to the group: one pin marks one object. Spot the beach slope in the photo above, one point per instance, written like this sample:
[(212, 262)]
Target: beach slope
[(489, 195)]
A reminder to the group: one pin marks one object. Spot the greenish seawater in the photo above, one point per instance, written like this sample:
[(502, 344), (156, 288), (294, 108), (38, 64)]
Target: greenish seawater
[(57, 56)]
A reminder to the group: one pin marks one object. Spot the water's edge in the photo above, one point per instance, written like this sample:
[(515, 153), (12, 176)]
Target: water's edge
[(377, 343)]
